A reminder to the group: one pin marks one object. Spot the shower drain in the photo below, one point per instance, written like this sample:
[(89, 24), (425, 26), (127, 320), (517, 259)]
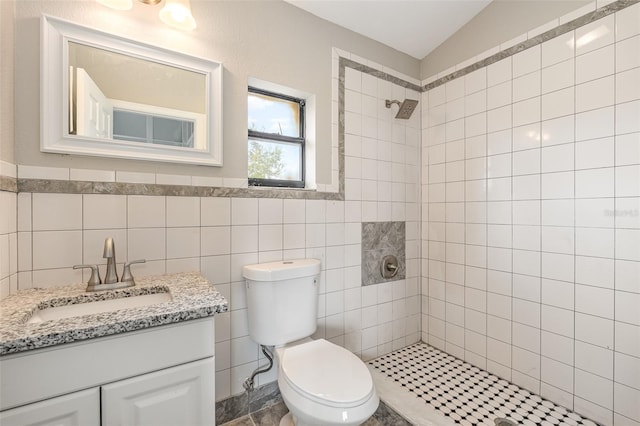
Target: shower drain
[(504, 422)]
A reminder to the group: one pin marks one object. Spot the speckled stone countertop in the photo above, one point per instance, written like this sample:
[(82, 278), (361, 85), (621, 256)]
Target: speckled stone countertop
[(193, 297)]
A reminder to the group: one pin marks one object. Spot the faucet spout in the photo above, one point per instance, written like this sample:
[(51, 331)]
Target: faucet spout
[(110, 254)]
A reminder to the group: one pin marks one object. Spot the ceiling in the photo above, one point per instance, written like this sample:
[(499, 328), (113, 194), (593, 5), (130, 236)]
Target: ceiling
[(415, 27)]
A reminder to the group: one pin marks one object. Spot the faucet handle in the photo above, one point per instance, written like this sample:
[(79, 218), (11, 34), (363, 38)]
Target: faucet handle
[(95, 279), (126, 272)]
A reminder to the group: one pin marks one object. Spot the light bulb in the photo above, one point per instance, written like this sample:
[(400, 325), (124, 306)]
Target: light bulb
[(177, 13), (117, 4)]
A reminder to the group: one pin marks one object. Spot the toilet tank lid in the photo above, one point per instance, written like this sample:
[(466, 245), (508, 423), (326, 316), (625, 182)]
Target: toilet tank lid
[(282, 270)]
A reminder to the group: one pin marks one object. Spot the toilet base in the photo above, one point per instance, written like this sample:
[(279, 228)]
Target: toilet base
[(287, 420)]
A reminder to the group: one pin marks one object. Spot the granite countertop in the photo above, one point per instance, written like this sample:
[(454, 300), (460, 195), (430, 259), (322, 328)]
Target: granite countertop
[(193, 297)]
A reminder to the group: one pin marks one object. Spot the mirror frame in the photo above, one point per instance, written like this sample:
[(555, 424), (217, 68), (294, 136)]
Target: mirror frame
[(54, 97)]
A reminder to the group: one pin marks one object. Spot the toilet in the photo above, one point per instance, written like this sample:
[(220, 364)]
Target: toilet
[(320, 382)]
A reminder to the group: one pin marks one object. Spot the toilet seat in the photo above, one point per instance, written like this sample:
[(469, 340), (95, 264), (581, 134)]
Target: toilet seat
[(326, 373)]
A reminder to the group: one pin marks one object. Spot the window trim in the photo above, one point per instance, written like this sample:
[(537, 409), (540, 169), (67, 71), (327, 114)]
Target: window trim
[(268, 137)]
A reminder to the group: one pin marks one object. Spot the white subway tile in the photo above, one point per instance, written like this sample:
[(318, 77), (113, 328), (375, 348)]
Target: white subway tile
[(103, 211), (183, 242), (558, 158), (595, 183), (598, 242), (627, 57), (597, 64), (557, 320), (595, 153), (558, 212), (146, 211), (595, 34), (627, 401), (135, 177), (527, 61), (628, 149), (595, 94), (183, 211), (558, 104), (558, 131), (595, 271), (595, 330), (558, 49), (626, 276), (56, 212), (147, 243), (558, 76), (57, 249), (594, 388), (594, 359), (88, 175), (39, 172), (244, 211), (557, 374), (558, 293), (595, 301), (627, 87), (628, 244)]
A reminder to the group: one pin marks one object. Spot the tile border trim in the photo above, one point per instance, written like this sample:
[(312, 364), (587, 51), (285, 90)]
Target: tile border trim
[(539, 39), (8, 184)]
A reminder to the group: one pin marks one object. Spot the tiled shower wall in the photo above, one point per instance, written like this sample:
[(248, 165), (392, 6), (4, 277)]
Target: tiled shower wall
[(218, 235), (531, 227)]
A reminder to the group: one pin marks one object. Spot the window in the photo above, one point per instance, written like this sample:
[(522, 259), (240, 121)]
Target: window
[(276, 139)]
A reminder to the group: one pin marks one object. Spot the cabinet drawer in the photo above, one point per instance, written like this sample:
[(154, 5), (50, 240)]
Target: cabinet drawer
[(76, 409)]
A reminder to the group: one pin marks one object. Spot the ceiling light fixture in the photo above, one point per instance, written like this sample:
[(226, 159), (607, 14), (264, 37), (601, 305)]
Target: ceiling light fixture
[(175, 13)]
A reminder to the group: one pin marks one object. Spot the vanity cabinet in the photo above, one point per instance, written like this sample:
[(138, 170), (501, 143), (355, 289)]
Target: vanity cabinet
[(152, 377)]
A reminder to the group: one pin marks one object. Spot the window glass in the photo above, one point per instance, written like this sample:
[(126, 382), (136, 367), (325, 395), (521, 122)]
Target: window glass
[(274, 160), (276, 116)]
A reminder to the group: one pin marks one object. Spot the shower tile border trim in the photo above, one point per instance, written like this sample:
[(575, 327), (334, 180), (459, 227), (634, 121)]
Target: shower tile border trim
[(534, 41)]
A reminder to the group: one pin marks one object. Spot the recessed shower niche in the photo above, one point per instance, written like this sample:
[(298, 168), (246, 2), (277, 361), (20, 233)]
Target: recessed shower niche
[(381, 239)]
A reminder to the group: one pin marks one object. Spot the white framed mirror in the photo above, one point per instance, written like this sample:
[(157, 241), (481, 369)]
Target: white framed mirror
[(107, 96)]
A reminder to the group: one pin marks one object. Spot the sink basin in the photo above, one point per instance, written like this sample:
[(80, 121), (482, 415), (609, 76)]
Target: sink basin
[(98, 307)]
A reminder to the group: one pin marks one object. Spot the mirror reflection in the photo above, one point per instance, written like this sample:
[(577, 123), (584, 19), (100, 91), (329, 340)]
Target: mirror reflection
[(122, 97)]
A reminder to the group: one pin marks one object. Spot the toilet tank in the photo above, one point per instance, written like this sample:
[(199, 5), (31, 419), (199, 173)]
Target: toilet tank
[(282, 300)]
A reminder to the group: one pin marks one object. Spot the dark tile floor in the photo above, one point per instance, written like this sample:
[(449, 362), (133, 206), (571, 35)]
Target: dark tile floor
[(271, 416)]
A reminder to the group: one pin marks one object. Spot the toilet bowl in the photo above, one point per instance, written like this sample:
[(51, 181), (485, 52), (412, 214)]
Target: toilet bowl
[(324, 384)]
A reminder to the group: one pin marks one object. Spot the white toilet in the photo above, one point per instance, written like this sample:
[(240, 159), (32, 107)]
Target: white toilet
[(321, 383)]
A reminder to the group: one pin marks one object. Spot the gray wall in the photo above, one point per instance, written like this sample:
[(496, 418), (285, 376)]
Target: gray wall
[(500, 21), (7, 10), (272, 41)]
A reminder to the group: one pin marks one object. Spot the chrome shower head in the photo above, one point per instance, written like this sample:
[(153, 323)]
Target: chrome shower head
[(406, 107)]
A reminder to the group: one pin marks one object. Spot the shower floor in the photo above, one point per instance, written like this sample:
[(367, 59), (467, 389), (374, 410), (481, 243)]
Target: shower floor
[(430, 387)]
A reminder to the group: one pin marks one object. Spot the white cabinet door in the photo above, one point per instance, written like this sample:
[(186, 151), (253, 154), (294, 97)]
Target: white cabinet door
[(177, 396), (76, 409)]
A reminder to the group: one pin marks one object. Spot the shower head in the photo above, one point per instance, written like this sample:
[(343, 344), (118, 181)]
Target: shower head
[(406, 107)]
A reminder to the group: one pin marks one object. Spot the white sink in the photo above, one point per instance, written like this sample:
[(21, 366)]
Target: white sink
[(98, 307)]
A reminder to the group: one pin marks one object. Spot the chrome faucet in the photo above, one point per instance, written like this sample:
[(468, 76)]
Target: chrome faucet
[(110, 254), (111, 280)]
